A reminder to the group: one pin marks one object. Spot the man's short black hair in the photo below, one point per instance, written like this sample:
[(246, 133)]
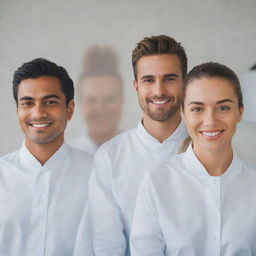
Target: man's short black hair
[(43, 67)]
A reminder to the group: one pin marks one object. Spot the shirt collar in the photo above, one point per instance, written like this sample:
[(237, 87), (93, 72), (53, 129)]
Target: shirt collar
[(197, 168), (30, 162), (179, 133)]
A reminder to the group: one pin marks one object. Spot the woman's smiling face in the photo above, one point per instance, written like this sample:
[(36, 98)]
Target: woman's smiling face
[(211, 113)]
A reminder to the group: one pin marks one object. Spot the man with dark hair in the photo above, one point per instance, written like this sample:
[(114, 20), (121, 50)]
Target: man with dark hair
[(160, 65), (43, 185)]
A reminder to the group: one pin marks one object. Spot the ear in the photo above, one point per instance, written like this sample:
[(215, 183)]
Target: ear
[(70, 109), (241, 111), (135, 85)]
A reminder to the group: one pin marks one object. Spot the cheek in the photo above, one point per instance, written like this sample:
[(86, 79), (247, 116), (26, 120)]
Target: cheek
[(233, 122), (21, 115), (175, 90), (143, 91), (192, 122), (115, 106), (191, 126), (86, 108), (186, 116)]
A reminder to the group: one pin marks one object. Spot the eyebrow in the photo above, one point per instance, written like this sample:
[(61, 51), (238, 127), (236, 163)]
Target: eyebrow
[(44, 98), (225, 100), (171, 75), (166, 75), (218, 102), (196, 103)]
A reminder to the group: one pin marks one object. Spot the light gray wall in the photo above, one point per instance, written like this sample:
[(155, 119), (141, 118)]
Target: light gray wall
[(222, 30)]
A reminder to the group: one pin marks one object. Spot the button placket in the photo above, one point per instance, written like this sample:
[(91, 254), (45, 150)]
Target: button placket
[(36, 245), (213, 215)]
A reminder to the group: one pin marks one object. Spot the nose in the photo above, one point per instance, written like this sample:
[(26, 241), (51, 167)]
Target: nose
[(210, 118), (160, 88), (99, 106), (39, 111)]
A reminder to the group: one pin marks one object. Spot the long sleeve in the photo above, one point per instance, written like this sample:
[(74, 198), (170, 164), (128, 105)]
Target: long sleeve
[(83, 244), (146, 236), (108, 231)]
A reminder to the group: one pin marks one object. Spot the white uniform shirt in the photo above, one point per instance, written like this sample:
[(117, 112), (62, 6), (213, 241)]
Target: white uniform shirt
[(41, 206), (117, 172), (85, 143), (182, 210)]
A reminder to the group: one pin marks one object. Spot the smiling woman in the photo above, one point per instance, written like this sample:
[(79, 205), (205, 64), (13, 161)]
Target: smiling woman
[(212, 107), (197, 204)]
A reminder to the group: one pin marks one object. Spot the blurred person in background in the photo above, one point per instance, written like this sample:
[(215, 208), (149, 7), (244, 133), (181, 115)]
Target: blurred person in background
[(101, 98), (43, 185), (245, 140)]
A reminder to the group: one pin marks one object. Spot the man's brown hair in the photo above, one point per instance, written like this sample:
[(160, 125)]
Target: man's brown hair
[(158, 45)]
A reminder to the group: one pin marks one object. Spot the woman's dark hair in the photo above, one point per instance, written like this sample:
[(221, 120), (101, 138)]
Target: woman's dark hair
[(213, 69)]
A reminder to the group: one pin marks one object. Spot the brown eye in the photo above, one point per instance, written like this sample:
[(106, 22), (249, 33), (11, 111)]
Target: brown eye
[(148, 80), (169, 79), (50, 102), (196, 109), (26, 103)]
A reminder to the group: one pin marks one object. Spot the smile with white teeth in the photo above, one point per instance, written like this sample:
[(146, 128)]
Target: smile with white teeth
[(211, 134), (160, 102), (40, 125)]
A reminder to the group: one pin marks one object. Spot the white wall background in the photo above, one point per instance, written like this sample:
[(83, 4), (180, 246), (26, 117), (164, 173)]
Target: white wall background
[(219, 30)]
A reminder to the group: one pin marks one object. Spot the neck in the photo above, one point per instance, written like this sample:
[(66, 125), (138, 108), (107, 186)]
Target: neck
[(216, 162), (161, 130), (101, 138), (43, 152)]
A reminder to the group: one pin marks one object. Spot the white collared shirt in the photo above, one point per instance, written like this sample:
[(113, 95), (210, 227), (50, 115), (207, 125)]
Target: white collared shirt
[(117, 172), (182, 210), (41, 206)]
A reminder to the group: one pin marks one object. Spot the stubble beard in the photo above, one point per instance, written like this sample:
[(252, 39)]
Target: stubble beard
[(41, 138), (160, 116)]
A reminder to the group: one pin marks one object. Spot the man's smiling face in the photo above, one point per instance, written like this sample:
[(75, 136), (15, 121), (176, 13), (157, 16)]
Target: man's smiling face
[(159, 85), (42, 110)]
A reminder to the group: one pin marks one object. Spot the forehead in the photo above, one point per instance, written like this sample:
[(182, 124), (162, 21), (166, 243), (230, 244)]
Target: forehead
[(101, 85), (37, 87), (158, 65), (210, 89)]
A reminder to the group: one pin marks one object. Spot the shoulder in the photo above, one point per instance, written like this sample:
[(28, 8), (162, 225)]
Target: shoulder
[(163, 172), (80, 162), (9, 161), (79, 155), (11, 157), (251, 168), (117, 143)]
